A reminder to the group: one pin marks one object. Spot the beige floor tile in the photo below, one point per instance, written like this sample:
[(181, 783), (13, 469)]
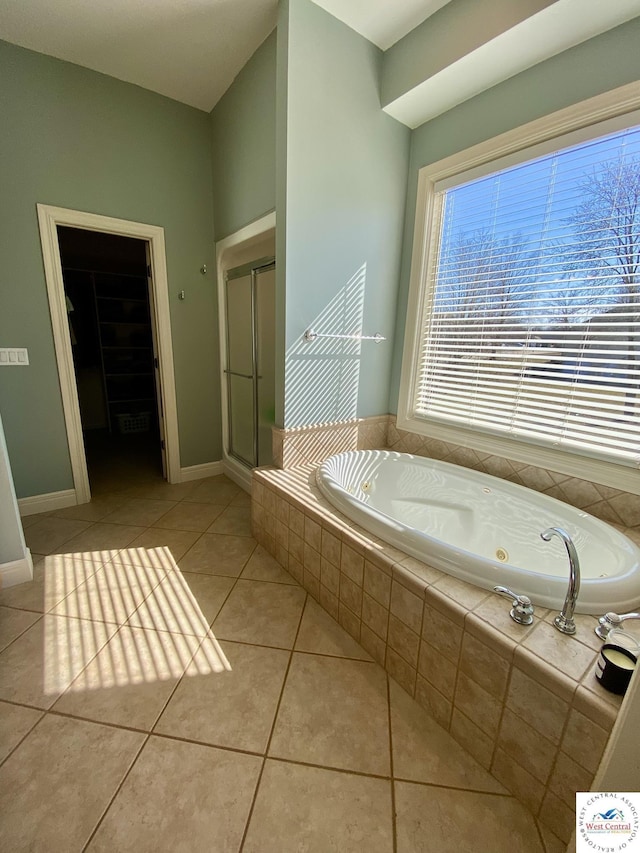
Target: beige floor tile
[(215, 490), (15, 722), (42, 663), (139, 512), (50, 533), (159, 558), (56, 785), (30, 520), (95, 510), (177, 542), (334, 712), (111, 594), (102, 541), (181, 797), (264, 613), (164, 491), (424, 752), (321, 634), (242, 499), (429, 818), (190, 516), (183, 603), (234, 520), (317, 810), (552, 843), (54, 577), (13, 623), (130, 680), (263, 567), (233, 708), (215, 554)]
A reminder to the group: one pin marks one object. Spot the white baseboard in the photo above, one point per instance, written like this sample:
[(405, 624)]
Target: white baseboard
[(198, 472), (17, 571), (238, 473), (47, 502)]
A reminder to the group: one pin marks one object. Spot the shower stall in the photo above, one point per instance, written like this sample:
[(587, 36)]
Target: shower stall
[(249, 292)]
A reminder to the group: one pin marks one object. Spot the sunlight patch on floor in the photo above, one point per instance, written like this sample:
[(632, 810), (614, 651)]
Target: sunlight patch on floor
[(100, 598)]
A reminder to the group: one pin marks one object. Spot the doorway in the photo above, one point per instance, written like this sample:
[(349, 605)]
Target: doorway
[(107, 299), (49, 220)]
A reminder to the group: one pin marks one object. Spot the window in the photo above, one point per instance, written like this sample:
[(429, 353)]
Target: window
[(526, 335)]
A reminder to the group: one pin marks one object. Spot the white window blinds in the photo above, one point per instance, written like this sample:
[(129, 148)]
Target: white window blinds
[(531, 323)]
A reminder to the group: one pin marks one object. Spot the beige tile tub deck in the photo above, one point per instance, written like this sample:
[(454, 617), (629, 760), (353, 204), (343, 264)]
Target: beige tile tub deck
[(492, 684)]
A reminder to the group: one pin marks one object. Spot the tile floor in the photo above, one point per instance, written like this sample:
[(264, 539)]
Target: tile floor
[(166, 686)]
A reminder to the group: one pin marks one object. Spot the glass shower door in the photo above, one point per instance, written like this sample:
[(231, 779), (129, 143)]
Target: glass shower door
[(265, 312), (250, 307), (241, 358)]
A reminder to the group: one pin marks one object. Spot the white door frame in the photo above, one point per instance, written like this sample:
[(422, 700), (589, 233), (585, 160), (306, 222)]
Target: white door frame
[(49, 218)]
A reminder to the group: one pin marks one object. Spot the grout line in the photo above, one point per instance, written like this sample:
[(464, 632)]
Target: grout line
[(199, 646), (391, 768), (273, 726), (224, 748), (24, 610), (69, 716), (543, 846), (23, 705), (503, 708), (115, 793), (22, 633), (293, 649), (25, 736), (466, 790)]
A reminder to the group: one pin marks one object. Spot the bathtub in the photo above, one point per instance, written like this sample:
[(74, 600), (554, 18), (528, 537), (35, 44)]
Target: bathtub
[(482, 529)]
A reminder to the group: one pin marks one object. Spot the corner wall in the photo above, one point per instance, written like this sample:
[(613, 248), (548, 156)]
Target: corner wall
[(15, 558), (243, 129), (78, 139), (346, 165)]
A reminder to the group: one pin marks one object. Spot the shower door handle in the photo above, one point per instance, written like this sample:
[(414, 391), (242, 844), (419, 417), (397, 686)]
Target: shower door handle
[(243, 375)]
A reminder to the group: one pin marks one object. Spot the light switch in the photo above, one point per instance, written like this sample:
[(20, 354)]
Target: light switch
[(14, 356)]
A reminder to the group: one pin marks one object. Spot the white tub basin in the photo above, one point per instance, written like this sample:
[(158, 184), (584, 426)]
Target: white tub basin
[(482, 529)]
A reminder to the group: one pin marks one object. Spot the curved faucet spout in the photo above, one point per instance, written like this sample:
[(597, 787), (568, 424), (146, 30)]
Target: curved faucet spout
[(564, 621)]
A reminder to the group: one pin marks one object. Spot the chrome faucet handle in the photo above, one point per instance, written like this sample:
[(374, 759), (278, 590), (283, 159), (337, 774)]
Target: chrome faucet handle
[(522, 610), (612, 620)]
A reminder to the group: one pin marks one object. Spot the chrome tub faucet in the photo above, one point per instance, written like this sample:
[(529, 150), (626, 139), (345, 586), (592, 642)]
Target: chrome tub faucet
[(612, 620), (564, 620), (522, 610)]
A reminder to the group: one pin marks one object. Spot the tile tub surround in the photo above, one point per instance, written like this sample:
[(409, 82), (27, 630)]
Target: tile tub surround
[(622, 509), (522, 700), (309, 445), (305, 445)]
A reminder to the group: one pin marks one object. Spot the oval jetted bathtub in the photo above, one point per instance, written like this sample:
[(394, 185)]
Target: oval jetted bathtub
[(482, 529)]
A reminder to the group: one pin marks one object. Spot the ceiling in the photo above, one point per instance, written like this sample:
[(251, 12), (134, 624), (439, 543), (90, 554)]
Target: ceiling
[(189, 50)]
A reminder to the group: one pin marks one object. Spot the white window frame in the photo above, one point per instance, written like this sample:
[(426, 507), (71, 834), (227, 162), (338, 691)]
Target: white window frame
[(599, 115)]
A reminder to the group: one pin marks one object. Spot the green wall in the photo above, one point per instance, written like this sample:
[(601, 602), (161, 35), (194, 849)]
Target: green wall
[(346, 165), (598, 65), (243, 126), (77, 139)]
